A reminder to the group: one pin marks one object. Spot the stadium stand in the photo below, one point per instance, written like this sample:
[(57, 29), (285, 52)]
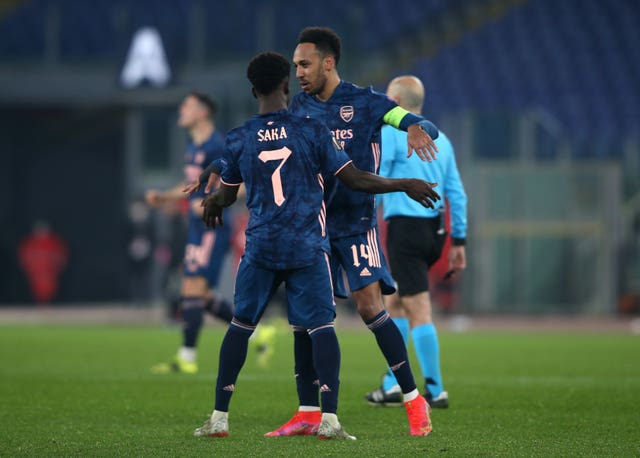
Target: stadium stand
[(573, 59)]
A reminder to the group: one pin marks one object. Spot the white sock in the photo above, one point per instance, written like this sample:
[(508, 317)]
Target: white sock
[(187, 354), (219, 414), (410, 396), (308, 408), (330, 418)]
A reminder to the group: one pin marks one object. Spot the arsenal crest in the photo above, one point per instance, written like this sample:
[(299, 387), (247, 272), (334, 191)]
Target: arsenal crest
[(346, 113)]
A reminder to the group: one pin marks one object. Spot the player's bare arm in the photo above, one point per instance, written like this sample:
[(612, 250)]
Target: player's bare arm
[(419, 190), (216, 202), (191, 188), (210, 175), (156, 198)]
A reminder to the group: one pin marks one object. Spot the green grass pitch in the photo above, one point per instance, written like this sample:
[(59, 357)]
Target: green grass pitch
[(87, 391)]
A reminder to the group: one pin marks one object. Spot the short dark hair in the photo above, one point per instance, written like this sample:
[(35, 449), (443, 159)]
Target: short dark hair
[(267, 70), (207, 101), (326, 40)]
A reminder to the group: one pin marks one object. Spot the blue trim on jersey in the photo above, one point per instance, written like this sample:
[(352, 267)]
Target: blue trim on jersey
[(443, 171)]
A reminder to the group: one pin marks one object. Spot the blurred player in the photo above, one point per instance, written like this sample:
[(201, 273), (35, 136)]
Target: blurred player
[(414, 243), (282, 158), (43, 255), (355, 116), (205, 250)]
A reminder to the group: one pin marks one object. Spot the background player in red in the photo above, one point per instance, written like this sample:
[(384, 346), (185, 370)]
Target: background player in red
[(43, 255)]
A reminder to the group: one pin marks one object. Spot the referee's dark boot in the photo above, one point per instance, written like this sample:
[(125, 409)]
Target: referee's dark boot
[(438, 402), (388, 398)]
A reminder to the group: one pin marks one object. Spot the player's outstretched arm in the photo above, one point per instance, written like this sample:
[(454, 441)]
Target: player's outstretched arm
[(189, 189), (155, 198), (216, 202), (421, 142), (210, 175), (419, 190), (421, 133)]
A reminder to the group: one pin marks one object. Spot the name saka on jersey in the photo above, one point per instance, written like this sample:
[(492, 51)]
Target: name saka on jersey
[(275, 133)]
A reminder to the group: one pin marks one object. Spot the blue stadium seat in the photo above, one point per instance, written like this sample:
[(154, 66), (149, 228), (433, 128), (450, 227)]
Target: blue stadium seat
[(577, 58)]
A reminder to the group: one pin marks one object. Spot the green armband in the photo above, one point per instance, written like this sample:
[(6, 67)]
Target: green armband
[(394, 116)]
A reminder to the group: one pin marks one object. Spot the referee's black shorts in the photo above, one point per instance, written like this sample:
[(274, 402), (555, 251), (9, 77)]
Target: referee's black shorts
[(413, 245)]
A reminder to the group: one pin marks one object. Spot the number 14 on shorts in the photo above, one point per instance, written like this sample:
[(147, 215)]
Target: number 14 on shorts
[(365, 254)]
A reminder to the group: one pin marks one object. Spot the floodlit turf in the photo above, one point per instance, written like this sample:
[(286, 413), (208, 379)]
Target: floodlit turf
[(87, 391)]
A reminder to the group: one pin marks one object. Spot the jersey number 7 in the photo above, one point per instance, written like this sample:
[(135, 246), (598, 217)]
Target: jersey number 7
[(276, 180)]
